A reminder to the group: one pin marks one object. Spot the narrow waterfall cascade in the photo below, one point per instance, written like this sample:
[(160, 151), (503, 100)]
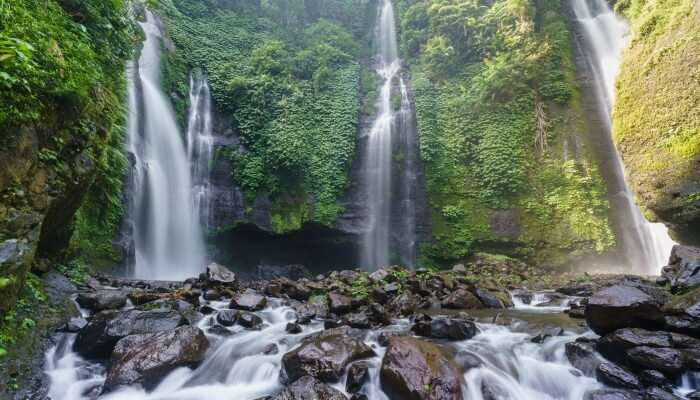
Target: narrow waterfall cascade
[(389, 126), (646, 246), (167, 238), (200, 144)]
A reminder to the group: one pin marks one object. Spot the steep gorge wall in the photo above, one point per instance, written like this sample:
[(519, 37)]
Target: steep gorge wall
[(657, 111)]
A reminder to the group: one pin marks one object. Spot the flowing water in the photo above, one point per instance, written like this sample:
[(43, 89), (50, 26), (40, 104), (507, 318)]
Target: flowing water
[(392, 120), (167, 239), (646, 245), (200, 144), (236, 367)]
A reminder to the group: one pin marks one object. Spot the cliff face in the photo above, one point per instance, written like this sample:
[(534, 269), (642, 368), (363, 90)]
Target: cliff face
[(62, 85), (657, 115), (502, 132)]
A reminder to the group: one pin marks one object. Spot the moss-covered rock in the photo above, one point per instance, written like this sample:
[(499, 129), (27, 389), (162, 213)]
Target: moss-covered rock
[(657, 115)]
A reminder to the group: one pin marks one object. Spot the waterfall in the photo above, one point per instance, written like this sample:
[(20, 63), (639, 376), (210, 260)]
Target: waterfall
[(200, 144), (379, 158), (167, 240), (646, 245)]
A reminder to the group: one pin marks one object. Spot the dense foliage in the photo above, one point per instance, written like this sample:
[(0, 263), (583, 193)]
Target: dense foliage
[(287, 75), (656, 117), (497, 113)]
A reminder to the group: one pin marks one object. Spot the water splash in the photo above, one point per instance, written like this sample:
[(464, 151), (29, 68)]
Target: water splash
[(167, 239), (646, 245)]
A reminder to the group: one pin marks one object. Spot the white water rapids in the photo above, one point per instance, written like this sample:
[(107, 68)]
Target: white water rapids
[(646, 245), (236, 368)]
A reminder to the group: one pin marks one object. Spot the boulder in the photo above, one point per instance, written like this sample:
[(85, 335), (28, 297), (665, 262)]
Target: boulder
[(413, 369), (682, 314), (461, 299), (250, 300), (404, 304), (101, 300), (293, 328), (219, 330), (493, 299), (666, 360), (103, 331), (441, 327), (227, 317), (615, 376), (339, 304), (249, 320), (358, 374), (292, 271), (217, 274), (683, 269), (358, 320), (622, 306), (146, 358), (583, 356), (655, 393), (309, 388), (612, 394), (324, 356)]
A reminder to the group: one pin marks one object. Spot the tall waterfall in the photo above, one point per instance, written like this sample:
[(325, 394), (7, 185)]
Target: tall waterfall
[(646, 245), (167, 240), (200, 144), (379, 157)]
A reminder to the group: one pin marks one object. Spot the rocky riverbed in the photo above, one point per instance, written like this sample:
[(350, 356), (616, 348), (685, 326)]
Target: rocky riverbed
[(391, 334)]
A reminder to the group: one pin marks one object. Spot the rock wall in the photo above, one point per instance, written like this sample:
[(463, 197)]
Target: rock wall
[(656, 116)]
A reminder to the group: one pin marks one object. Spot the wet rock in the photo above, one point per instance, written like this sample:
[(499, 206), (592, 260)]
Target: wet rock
[(249, 300), (358, 374), (292, 271), (612, 394), (379, 275), (694, 395), (404, 304), (683, 313), (217, 274), (583, 356), (468, 360), (384, 336), (462, 299), (584, 289), (683, 270), (211, 295), (546, 334), (294, 290), (206, 310), (293, 328), (324, 356), (650, 377), (146, 358), (359, 396), (271, 349), (249, 320), (577, 313), (378, 315), (140, 297), (219, 330), (666, 360), (413, 369), (74, 324), (524, 296), (622, 306), (309, 388), (102, 300), (654, 393), (227, 317), (441, 327), (615, 376), (358, 320), (391, 288), (490, 299), (103, 331), (614, 344), (339, 304)]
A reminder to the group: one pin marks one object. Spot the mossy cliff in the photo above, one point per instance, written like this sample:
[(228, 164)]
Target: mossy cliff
[(657, 115), (286, 80), (62, 84), (501, 131)]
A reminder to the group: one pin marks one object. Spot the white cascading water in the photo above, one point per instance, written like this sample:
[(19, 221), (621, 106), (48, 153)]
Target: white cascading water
[(647, 245), (167, 238), (237, 368), (379, 148), (200, 144)]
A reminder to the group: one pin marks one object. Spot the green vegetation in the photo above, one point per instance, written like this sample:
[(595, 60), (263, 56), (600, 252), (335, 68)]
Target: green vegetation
[(656, 117), (497, 110), (287, 75)]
